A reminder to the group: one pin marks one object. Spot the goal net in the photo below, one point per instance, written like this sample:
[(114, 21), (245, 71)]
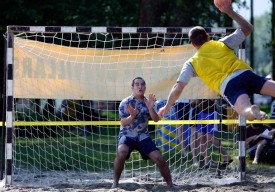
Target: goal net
[(64, 85)]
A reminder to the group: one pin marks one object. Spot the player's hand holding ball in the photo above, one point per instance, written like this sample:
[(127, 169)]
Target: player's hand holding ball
[(223, 5)]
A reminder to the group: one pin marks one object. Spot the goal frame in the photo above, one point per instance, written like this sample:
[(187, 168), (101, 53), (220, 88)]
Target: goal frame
[(9, 101)]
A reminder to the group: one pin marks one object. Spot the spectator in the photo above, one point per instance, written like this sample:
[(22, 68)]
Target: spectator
[(194, 142), (182, 140), (205, 110), (182, 112), (257, 137)]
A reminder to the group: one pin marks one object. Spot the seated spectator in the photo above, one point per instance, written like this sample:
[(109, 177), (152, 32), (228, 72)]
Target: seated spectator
[(257, 137)]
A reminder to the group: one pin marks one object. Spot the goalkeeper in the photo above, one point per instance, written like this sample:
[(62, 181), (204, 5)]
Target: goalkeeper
[(221, 70), (135, 111)]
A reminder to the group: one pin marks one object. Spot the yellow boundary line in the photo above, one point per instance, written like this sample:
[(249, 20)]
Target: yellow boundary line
[(170, 122)]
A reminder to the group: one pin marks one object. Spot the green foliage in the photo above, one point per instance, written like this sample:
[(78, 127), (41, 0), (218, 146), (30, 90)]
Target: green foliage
[(109, 12), (266, 108), (68, 12), (63, 153), (262, 44), (110, 116), (95, 152)]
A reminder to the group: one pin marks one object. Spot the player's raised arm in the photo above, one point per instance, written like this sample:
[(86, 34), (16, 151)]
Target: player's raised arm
[(225, 6), (173, 96)]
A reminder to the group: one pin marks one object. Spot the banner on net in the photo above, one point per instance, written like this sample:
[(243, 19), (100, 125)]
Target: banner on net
[(43, 70)]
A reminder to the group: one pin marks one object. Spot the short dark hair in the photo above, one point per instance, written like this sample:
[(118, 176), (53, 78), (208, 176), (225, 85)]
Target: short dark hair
[(133, 82), (198, 35)]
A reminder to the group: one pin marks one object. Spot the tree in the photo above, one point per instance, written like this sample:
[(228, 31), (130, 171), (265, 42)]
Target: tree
[(178, 13), (153, 13), (262, 46)]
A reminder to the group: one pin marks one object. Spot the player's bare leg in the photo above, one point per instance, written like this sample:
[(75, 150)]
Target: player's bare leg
[(259, 150), (251, 112), (268, 88), (182, 140), (157, 158), (119, 164), (194, 145)]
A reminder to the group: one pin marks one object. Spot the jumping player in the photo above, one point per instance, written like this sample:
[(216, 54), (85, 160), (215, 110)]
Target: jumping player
[(221, 70)]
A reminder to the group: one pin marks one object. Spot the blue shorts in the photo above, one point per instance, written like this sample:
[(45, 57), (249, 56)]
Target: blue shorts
[(246, 83), (144, 147), (207, 128)]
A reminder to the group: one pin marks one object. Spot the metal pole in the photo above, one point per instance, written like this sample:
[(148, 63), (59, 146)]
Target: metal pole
[(252, 40), (9, 109), (3, 127), (242, 127)]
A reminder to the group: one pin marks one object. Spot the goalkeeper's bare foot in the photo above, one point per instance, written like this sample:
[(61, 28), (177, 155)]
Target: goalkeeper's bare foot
[(257, 113)]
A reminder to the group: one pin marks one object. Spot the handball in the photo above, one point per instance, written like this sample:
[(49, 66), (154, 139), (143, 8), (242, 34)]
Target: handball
[(220, 3)]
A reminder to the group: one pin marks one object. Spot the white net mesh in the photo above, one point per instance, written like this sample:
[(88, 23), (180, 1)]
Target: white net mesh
[(67, 88)]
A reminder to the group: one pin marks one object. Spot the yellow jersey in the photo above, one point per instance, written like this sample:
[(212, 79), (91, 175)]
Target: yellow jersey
[(214, 61)]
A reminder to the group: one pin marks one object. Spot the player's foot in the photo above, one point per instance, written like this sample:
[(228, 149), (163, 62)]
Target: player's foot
[(224, 164), (174, 186), (210, 164), (257, 113), (255, 162), (196, 163), (115, 185), (184, 152)]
